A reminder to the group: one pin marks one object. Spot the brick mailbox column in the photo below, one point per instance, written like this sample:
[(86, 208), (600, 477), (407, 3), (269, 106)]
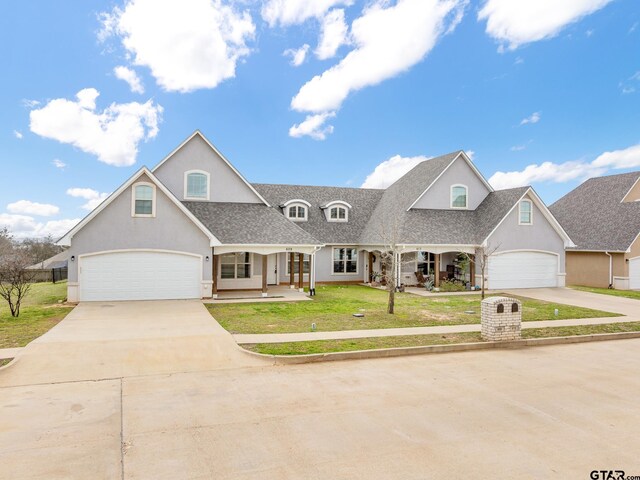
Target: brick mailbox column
[(501, 319)]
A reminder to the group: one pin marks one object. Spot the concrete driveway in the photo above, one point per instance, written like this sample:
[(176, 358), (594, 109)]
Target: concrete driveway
[(119, 339)]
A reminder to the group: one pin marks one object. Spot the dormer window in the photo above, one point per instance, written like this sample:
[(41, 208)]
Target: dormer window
[(196, 185), (337, 211), (526, 212), (143, 202), (459, 197), (296, 210)]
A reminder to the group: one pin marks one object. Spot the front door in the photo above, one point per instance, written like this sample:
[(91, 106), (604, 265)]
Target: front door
[(272, 269)]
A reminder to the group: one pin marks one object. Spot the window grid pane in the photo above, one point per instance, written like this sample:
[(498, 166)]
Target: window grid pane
[(197, 185), (342, 213), (459, 195)]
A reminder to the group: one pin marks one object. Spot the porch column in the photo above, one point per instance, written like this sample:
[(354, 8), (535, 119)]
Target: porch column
[(370, 267), (312, 274), (472, 270), (437, 270), (300, 272), (265, 274), (292, 273), (214, 276), (398, 269)]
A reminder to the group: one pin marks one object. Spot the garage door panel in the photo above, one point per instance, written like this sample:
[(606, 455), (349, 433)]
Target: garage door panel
[(634, 274), (523, 270), (139, 275)]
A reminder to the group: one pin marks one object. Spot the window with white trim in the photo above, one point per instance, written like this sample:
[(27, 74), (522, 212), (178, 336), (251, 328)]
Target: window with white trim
[(425, 262), (526, 212), (196, 185), (296, 212), (144, 200), (459, 196), (235, 265), (345, 260), (296, 264), (338, 214)]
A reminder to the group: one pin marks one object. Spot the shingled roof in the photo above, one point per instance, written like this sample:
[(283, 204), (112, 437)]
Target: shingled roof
[(595, 217), (249, 224)]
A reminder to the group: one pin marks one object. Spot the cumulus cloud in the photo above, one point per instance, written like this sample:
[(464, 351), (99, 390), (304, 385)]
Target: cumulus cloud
[(515, 23), (186, 45), (112, 134), (27, 207), (17, 134), (313, 126), (298, 55), (131, 77), (24, 226), (533, 118), (294, 12), (391, 170), (93, 197), (572, 170), (56, 162), (388, 41), (333, 34)]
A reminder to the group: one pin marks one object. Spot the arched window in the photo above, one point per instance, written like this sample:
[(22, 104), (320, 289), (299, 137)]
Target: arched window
[(459, 197), (526, 212), (143, 200), (296, 210), (196, 185), (514, 307), (500, 308), (337, 211)]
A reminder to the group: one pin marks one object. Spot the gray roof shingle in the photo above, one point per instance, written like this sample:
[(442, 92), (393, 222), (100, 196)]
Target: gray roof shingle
[(594, 216), (362, 200), (249, 223)]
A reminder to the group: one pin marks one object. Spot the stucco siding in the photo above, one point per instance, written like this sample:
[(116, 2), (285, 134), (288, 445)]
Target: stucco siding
[(115, 229), (226, 185), (539, 236), (439, 195), (591, 269), (324, 267)]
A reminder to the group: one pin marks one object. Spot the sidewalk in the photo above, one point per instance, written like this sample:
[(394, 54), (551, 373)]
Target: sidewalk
[(391, 332), (9, 352)]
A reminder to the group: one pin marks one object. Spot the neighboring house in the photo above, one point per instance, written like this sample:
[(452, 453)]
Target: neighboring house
[(193, 225), (602, 216)]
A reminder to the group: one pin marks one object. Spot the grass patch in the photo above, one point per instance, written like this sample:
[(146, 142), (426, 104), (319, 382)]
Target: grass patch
[(610, 291), (5, 361), (334, 305), (349, 345), (40, 311)]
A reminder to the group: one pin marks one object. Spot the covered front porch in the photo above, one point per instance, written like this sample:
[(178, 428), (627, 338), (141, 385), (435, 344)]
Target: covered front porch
[(253, 271), (419, 263)]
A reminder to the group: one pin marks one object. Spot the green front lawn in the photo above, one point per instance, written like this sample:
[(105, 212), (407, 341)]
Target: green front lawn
[(39, 312), (349, 345), (333, 307), (610, 291)]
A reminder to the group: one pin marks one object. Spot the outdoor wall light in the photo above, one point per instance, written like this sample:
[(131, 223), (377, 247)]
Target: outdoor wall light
[(206, 258), (73, 258)]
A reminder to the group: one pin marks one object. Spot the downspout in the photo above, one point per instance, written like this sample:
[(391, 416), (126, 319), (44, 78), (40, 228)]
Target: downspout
[(610, 269)]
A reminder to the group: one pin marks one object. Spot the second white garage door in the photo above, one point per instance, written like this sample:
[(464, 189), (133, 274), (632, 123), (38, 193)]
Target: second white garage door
[(522, 270), (634, 273), (139, 275)]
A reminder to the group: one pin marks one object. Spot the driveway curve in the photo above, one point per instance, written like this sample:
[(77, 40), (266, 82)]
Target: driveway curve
[(99, 341)]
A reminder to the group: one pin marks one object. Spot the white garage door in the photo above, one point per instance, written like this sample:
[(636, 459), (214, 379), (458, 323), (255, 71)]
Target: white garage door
[(522, 270), (139, 275), (634, 274)]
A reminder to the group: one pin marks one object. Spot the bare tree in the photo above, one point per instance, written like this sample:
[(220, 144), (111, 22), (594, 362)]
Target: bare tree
[(15, 279), (40, 249), (481, 261)]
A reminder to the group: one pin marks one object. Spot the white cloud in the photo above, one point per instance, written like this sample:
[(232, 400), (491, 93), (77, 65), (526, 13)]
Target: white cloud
[(470, 154), (17, 134), (388, 42), (186, 45), (518, 148), (24, 226), (533, 118), (27, 207), (30, 103), (94, 197), (333, 34), (515, 23), (313, 127), (563, 172), (56, 162), (112, 135), (629, 85), (391, 170), (294, 12), (131, 77), (298, 55)]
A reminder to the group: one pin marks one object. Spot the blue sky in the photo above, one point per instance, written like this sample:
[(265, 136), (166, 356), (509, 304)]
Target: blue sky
[(536, 93)]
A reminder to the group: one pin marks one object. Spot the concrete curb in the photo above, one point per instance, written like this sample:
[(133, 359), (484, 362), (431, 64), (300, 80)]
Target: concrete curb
[(428, 349)]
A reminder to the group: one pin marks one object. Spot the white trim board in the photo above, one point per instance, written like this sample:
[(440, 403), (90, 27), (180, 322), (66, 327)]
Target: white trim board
[(224, 159)]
